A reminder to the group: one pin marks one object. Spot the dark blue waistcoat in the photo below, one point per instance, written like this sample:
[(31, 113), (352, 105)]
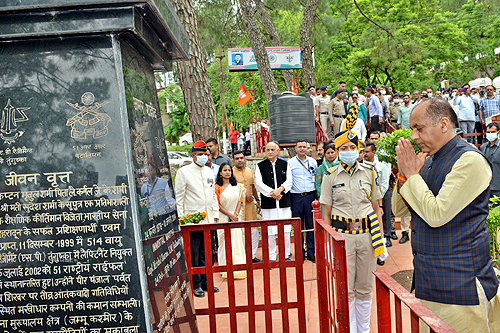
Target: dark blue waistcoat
[(449, 258)]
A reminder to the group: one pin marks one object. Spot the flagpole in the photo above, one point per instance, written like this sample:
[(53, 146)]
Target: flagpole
[(221, 75)]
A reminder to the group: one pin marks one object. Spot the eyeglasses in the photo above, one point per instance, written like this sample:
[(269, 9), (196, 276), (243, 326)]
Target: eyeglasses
[(489, 89)]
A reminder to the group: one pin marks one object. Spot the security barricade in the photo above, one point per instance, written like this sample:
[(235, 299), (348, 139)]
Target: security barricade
[(385, 285), (251, 308), (331, 267)]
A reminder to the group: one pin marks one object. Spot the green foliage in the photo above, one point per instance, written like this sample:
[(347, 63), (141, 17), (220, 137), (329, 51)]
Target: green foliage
[(179, 122), (406, 51), (186, 148), (493, 224), (386, 148)]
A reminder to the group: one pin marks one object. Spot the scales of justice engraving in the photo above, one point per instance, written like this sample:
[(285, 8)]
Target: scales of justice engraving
[(10, 117), (91, 120)]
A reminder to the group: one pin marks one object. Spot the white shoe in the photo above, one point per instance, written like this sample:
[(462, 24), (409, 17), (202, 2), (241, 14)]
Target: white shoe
[(363, 310)]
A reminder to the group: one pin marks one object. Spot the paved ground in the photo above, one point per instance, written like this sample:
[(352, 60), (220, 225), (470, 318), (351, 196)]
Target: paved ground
[(400, 259)]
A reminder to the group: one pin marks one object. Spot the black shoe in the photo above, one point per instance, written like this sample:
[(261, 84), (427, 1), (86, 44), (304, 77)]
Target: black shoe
[(311, 258), (198, 292), (256, 260), (380, 262), (404, 238), (393, 235), (388, 242), (216, 290)]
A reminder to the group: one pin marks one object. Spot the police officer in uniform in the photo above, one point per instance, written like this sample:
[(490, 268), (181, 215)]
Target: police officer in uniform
[(337, 111), (321, 106), (350, 195)]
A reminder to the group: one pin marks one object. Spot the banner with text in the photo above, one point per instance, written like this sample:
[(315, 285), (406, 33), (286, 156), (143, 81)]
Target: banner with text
[(286, 57)]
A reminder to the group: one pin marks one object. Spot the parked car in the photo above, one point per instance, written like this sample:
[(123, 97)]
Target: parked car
[(186, 139), (184, 153), (175, 159)]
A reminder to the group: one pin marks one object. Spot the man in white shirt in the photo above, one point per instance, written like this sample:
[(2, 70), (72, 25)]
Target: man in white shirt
[(195, 193), (273, 179)]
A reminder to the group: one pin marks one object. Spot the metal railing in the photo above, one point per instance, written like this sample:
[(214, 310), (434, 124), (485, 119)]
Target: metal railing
[(331, 266), (385, 285), (285, 305)]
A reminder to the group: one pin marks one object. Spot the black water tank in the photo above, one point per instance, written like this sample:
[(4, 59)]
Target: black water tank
[(291, 118)]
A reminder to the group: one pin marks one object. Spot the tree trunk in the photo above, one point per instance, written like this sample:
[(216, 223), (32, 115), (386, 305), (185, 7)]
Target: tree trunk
[(259, 49), (305, 43), (274, 37), (194, 79)]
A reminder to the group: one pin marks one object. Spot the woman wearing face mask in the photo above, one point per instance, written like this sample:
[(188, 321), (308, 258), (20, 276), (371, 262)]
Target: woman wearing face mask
[(330, 160), (230, 195), (350, 195)]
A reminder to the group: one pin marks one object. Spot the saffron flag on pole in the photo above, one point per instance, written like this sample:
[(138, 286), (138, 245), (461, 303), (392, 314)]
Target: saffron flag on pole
[(244, 95)]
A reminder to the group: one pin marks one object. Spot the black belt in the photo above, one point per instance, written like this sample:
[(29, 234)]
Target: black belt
[(323, 113), (305, 193), (349, 225), (339, 117)]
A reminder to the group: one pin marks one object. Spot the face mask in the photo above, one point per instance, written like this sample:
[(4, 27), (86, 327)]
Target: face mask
[(348, 157), (355, 92), (383, 92), (446, 96), (430, 95), (201, 159), (491, 136), (453, 94), (397, 101)]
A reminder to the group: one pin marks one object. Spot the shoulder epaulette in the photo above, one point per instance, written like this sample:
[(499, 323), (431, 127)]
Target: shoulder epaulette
[(367, 165)]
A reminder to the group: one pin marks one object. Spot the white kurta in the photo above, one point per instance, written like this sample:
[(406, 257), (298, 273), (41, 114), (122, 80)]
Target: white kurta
[(195, 191), (279, 212)]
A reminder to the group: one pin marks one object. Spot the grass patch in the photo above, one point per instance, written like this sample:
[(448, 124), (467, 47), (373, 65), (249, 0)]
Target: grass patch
[(186, 148)]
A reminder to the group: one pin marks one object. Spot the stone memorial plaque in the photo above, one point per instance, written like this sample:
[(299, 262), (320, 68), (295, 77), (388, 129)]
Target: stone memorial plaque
[(89, 236)]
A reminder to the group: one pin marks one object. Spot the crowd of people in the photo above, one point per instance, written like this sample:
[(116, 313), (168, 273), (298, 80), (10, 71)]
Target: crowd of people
[(383, 108), (437, 191)]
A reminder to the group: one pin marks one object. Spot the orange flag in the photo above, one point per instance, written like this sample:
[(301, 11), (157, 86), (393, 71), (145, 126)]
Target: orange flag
[(244, 95)]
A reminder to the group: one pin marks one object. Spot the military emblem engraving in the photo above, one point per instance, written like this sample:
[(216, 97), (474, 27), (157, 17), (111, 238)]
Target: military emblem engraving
[(10, 117), (91, 120)]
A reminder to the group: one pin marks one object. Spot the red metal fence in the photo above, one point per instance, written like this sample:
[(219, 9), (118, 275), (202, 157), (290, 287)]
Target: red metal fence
[(331, 266), (320, 133), (384, 286), (262, 137), (251, 308)]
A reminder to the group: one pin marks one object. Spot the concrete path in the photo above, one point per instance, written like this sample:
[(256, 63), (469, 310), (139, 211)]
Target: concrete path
[(400, 258)]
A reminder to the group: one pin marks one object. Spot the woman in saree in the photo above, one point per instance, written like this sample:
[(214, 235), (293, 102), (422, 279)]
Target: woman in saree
[(230, 195)]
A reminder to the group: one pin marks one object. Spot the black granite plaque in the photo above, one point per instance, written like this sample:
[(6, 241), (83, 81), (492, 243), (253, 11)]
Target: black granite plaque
[(89, 238)]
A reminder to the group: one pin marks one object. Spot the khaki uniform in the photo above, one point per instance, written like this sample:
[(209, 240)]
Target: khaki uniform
[(393, 114), (337, 113), (348, 197), (324, 110)]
